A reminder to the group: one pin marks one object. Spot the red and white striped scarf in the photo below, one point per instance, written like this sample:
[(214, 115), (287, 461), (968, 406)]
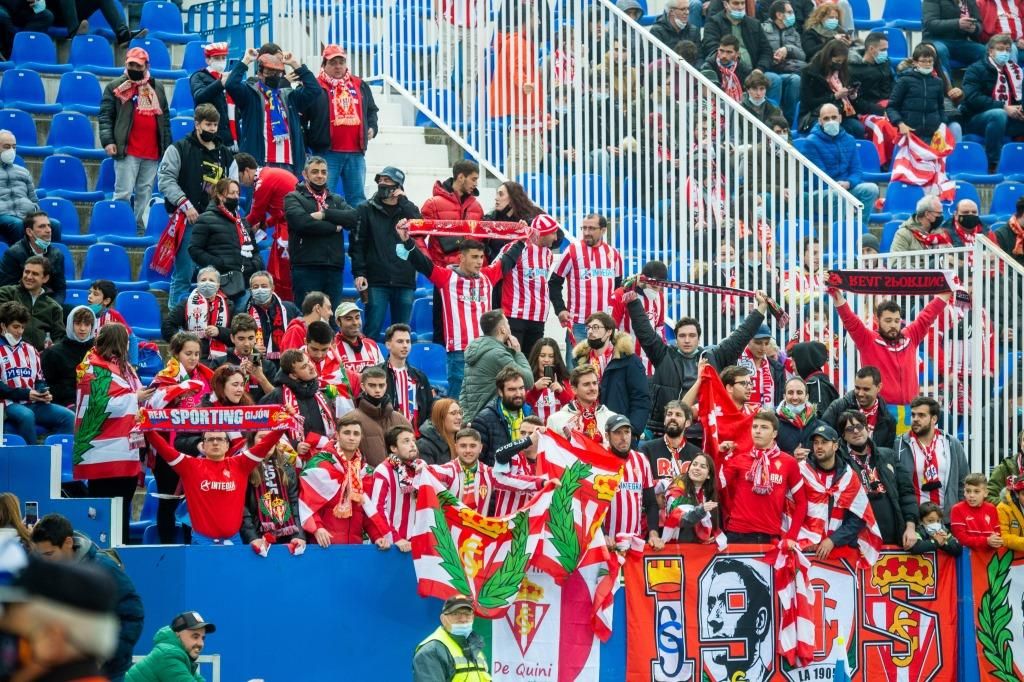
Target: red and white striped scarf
[(828, 500), (760, 474), (928, 479), (872, 414), (797, 632), (202, 312), (600, 359), (298, 433), (586, 420), (319, 197), (278, 317), (344, 97), (729, 81), (932, 240), (678, 504), (836, 83), (1009, 83), (761, 373)]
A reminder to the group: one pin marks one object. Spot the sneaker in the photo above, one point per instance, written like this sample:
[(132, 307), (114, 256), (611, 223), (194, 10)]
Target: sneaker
[(128, 36)]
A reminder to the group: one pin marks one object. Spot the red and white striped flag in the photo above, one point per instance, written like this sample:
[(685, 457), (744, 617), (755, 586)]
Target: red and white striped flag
[(923, 164), (846, 494), (796, 636), (883, 134)]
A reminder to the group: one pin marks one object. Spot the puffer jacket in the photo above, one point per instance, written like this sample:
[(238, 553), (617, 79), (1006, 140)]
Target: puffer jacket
[(978, 84), (836, 156), (372, 245), (215, 242), (168, 660), (485, 357), (1011, 522), (493, 428), (788, 38), (444, 204), (431, 445), (17, 190), (1010, 466), (317, 243), (624, 387), (919, 101), (116, 118), (941, 20)]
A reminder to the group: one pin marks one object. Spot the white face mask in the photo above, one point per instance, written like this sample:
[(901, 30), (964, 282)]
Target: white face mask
[(7, 156), (932, 528), (218, 65), (11, 339)]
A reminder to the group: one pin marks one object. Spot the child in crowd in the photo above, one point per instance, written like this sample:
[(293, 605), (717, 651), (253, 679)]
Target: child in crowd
[(932, 534), (691, 505), (102, 294), (1011, 514), (975, 522)]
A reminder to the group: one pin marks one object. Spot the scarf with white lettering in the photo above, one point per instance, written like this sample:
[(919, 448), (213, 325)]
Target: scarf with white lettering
[(344, 97), (761, 373), (273, 508), (202, 312), (1009, 83), (929, 481), (760, 469)]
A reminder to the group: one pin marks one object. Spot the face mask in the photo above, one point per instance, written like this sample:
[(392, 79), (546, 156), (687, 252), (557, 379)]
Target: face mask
[(219, 65), (831, 128), (376, 402), (680, 24), (42, 244), (837, 65), (261, 296), (882, 57), (798, 408), (1001, 58), (11, 339), (136, 75), (231, 204), (924, 70), (969, 222), (96, 308), (830, 24), (737, 14), (789, 20), (272, 82), (385, 191), (207, 289), (757, 101), (932, 528), (595, 343), (7, 156), (318, 188), (725, 64), (207, 136), (462, 629)]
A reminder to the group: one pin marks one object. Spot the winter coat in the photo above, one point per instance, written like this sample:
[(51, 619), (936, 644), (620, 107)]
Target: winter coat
[(209, 90), (953, 486), (1006, 239), (810, 357), (12, 264), (215, 242), (816, 92), (925, 544), (751, 35), (251, 114), (997, 478), (790, 437), (444, 204), (317, 119), (47, 316), (375, 422), (372, 246), (317, 243), (668, 34), (305, 395), (17, 191), (166, 662), (174, 322), (813, 39), (494, 429), (836, 156), (188, 169), (978, 84), (485, 357), (919, 101), (424, 392), (876, 81), (899, 488), (432, 446), (116, 118), (762, 113), (904, 239), (60, 361), (789, 38), (624, 387), (1011, 522), (674, 371), (941, 20), (885, 424), (128, 609)]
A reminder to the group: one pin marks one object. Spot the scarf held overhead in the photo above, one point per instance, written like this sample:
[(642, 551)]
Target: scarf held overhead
[(777, 312), (898, 283), (238, 418), (480, 229)]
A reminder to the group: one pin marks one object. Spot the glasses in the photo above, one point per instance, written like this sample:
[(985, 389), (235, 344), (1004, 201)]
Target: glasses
[(595, 328), (854, 428), (740, 383)]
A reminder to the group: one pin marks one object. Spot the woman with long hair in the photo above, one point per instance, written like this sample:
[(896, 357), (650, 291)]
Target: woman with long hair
[(437, 435), (221, 238), (822, 26), (11, 525), (228, 385), (271, 514), (107, 442), (551, 390), (797, 419), (691, 503), (826, 80)]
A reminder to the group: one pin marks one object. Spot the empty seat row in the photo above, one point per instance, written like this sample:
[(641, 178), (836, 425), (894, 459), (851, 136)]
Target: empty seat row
[(36, 51)]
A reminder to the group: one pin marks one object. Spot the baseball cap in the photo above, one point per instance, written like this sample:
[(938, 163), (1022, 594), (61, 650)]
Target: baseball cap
[(332, 51), (392, 173), (191, 620), (827, 432), (346, 308), (137, 55), (763, 332), (616, 422), (271, 61), (453, 604)]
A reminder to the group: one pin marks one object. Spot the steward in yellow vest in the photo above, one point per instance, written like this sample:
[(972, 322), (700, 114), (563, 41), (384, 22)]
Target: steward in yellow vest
[(453, 652)]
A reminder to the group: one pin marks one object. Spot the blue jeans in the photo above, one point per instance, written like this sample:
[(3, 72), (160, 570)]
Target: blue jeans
[(183, 273), (377, 302), (325, 280), (697, 14), (351, 168), (994, 125), (21, 418), (784, 88), (456, 372), (966, 52), (133, 175)]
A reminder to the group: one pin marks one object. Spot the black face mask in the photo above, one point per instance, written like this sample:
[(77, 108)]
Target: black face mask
[(207, 136), (231, 204), (595, 343), (272, 82), (385, 191), (969, 222), (135, 74), (376, 402), (317, 188)]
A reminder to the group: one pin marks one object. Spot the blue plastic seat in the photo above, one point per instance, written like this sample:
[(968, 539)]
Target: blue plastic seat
[(159, 58), (64, 176), (540, 187), (1011, 161), (870, 164), (163, 20), (966, 190), (72, 133), (36, 51), (432, 360), (71, 229), (108, 261), (182, 103), (902, 14), (969, 163), (93, 54), (1004, 200), (147, 517), (902, 198), (422, 319), (424, 287), (66, 441), (142, 311), (446, 104), (23, 89), (151, 536), (69, 260), (114, 222), (897, 42), (13, 439), (181, 126), (80, 91), (23, 128), (348, 285), (195, 58), (76, 297), (105, 181), (862, 20), (156, 280), (157, 219)]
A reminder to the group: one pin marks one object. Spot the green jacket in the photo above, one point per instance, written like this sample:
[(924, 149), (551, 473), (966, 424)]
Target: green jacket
[(47, 315), (167, 662), (485, 357), (997, 479)]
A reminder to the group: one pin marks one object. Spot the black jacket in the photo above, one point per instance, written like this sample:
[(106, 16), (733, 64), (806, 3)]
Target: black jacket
[(372, 248), (116, 118), (752, 37), (624, 386), (13, 264), (215, 242), (668, 34), (493, 428), (790, 437), (424, 392), (317, 243), (978, 84), (1007, 239), (316, 121), (59, 363), (815, 92), (198, 169), (885, 424), (431, 445), (209, 90), (918, 101), (250, 529), (810, 357), (876, 82), (898, 503), (174, 322), (813, 41), (941, 20), (661, 459), (305, 395), (674, 371), (710, 70), (846, 534)]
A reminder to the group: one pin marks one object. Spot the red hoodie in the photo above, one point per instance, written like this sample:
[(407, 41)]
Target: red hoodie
[(294, 335), (268, 199)]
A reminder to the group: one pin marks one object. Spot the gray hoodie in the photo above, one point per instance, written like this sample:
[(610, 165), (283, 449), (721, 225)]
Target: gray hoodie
[(485, 357)]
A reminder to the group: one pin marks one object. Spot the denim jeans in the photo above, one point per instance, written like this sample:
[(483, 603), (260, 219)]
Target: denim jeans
[(135, 175), (456, 371), (22, 418), (579, 330), (964, 51), (325, 280), (351, 168), (379, 298), (994, 125), (73, 11), (784, 88), (184, 271), (697, 14)]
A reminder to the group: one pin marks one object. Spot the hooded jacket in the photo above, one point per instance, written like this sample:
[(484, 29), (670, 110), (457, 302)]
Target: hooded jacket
[(810, 357), (836, 156), (885, 424), (1011, 522), (445, 204), (376, 420), (899, 499), (485, 357), (372, 247), (187, 168), (624, 387), (116, 118), (432, 446), (12, 264), (317, 243), (128, 608), (167, 661), (919, 101), (61, 360), (215, 242), (305, 395), (953, 486), (494, 429)]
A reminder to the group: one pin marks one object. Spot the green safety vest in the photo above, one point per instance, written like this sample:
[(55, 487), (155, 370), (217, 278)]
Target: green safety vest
[(465, 669)]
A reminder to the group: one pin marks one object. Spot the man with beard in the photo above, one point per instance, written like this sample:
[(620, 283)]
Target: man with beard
[(892, 349), (359, 351), (751, 625), (881, 427), (668, 453), (500, 421), (393, 494), (299, 388), (633, 513), (176, 649), (889, 488), (934, 461), (584, 413)]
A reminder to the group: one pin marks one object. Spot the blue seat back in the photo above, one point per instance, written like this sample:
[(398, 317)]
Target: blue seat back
[(31, 46), (422, 318), (146, 272), (195, 58), (901, 197), (113, 217), (22, 85), (63, 211), (1011, 159), (869, 161), (71, 129), (898, 41), (105, 181), (966, 190), (431, 359), (61, 171), (91, 50), (161, 16), (181, 127), (139, 308), (1004, 198), (21, 125), (107, 261), (181, 100), (159, 56), (79, 87), (967, 157)]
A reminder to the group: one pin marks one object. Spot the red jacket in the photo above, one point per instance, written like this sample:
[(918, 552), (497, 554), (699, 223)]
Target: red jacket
[(972, 526), (294, 335), (446, 205), (896, 362), (268, 198)]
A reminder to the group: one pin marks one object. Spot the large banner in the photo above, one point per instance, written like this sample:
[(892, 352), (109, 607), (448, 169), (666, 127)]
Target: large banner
[(694, 613), (998, 585)]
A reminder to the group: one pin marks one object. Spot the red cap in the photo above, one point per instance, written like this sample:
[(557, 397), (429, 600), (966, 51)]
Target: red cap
[(332, 51), (137, 55), (544, 224), (271, 61), (215, 50)]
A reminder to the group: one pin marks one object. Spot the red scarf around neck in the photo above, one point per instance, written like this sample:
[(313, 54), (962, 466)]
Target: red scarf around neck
[(933, 239), (201, 312), (730, 82), (319, 197), (760, 473), (1018, 232), (344, 96), (270, 338), (244, 239), (931, 482), (586, 420)]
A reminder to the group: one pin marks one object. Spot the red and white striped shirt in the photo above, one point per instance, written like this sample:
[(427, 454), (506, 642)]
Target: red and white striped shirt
[(405, 396), (654, 306), (545, 402), (460, 12), (589, 273), (508, 501), (474, 488), (626, 513), (19, 365), (1007, 16), (395, 505), (524, 294), (464, 300), (367, 355), (278, 150)]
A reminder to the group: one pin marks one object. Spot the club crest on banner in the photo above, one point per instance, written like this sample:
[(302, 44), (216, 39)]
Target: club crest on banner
[(527, 613)]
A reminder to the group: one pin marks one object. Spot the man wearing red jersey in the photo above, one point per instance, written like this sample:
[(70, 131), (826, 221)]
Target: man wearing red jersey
[(652, 298), (524, 295), (392, 491), (633, 513), (763, 487), (358, 351)]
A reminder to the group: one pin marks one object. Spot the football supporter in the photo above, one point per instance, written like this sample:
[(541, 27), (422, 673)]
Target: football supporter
[(524, 292), (934, 460), (499, 422), (243, 354), (376, 415), (437, 437), (584, 413), (102, 294), (338, 385), (271, 512), (298, 388), (975, 522), (60, 360), (486, 358), (738, 384), (228, 390), (867, 384), (175, 652), (408, 388), (316, 307), (270, 187), (932, 534), (1011, 515), (520, 458), (206, 312), (767, 375), (652, 299), (633, 513), (691, 504), (357, 350), (797, 420), (551, 391), (207, 86), (669, 454), (393, 494), (271, 311)]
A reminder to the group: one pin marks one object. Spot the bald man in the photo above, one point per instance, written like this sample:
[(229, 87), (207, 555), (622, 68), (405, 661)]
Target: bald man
[(965, 224)]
